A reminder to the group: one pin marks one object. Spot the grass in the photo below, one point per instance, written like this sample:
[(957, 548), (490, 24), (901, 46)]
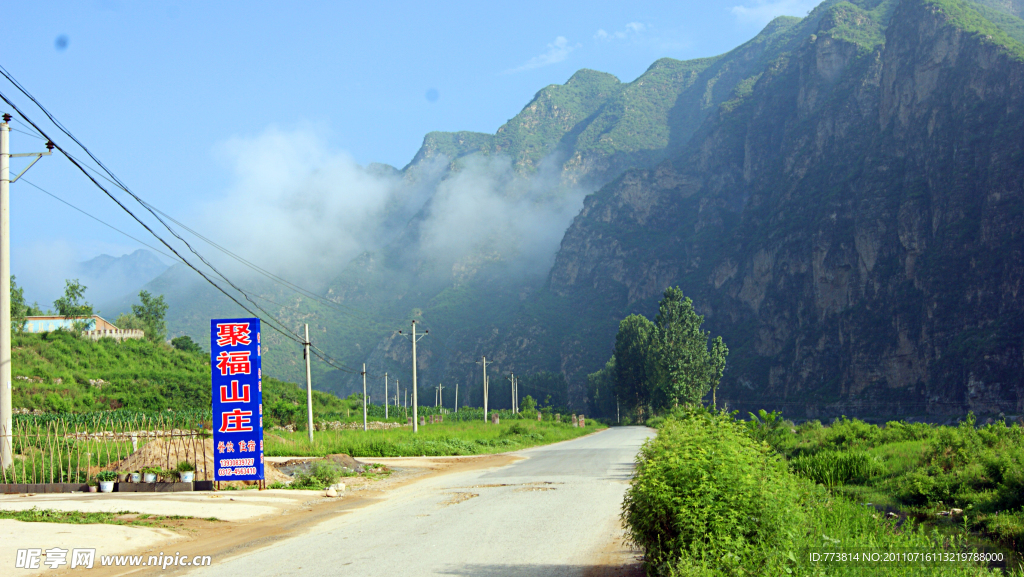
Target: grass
[(923, 470), (710, 497), (433, 440), (131, 518)]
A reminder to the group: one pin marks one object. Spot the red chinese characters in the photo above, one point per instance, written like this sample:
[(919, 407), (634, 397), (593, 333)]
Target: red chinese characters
[(233, 334), (233, 395), (234, 363), (236, 421)]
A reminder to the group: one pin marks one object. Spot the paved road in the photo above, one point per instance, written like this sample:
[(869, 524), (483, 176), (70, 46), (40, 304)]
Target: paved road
[(554, 513)]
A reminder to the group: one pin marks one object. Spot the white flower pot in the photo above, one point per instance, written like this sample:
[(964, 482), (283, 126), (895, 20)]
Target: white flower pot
[(188, 476), (136, 477), (149, 478), (106, 486)]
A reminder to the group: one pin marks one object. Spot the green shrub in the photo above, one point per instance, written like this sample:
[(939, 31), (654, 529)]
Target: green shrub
[(705, 491), (321, 475)]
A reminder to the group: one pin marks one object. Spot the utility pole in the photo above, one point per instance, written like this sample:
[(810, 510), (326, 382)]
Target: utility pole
[(309, 388), (618, 419), (385, 396), (484, 363), (515, 386), (512, 381), (456, 397), (415, 404), (440, 395), (364, 395), (6, 391)]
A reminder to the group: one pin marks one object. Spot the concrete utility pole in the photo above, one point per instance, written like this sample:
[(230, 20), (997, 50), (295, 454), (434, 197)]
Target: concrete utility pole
[(364, 395), (415, 404), (456, 397), (512, 381), (309, 387), (385, 396), (440, 395), (484, 363), (515, 388), (6, 390)]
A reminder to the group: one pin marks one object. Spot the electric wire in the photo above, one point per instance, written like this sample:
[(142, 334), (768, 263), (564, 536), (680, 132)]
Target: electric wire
[(108, 225), (283, 328), (278, 279), (284, 332)]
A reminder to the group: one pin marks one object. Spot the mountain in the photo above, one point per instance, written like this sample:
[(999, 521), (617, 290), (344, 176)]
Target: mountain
[(851, 225), (108, 278), (841, 197)]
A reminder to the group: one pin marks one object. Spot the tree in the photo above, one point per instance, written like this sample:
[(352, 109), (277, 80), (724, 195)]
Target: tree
[(73, 306), (633, 384), (685, 369), (186, 344), (528, 405), (152, 312), (19, 310), (601, 390), (129, 322)]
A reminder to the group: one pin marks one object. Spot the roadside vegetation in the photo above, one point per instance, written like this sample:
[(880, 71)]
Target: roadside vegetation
[(711, 497), (433, 440), (132, 518)]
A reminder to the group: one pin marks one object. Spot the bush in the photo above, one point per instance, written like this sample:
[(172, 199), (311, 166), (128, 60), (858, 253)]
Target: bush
[(705, 491), (320, 476)]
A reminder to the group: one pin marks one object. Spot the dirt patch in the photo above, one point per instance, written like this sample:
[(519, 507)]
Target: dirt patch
[(167, 453), (456, 498)]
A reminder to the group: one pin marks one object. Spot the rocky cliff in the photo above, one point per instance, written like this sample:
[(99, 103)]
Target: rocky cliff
[(852, 226)]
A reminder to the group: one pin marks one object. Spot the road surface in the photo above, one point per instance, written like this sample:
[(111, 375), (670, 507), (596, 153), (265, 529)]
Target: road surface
[(553, 513)]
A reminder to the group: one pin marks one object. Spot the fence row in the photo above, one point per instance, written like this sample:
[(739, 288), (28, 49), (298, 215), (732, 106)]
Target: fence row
[(74, 451)]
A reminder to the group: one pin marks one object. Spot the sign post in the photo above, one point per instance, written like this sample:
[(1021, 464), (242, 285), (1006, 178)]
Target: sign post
[(237, 399)]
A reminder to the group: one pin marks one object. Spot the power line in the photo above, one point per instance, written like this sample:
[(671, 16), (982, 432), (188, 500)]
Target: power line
[(284, 331), (146, 226), (108, 225)]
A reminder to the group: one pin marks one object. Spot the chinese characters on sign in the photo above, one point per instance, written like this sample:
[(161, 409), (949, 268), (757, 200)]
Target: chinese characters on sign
[(237, 399)]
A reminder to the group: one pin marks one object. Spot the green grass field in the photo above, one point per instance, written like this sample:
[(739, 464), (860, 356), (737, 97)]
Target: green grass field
[(432, 440)]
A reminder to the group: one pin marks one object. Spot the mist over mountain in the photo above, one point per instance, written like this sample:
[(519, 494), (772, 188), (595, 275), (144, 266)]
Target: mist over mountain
[(106, 277), (819, 191)]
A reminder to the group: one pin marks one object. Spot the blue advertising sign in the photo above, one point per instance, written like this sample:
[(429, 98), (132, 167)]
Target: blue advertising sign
[(237, 399)]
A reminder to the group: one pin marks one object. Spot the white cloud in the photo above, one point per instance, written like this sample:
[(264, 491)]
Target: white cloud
[(557, 52), (761, 12), (631, 29)]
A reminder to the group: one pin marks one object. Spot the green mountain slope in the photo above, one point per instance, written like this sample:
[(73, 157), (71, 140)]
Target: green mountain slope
[(850, 224)]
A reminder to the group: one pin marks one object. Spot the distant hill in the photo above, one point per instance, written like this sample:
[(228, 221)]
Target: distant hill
[(109, 277)]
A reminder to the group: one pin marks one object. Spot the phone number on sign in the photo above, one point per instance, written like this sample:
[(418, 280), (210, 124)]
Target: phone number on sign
[(909, 557), (225, 472)]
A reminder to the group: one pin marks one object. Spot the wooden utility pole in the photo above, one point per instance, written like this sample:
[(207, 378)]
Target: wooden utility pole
[(364, 396)]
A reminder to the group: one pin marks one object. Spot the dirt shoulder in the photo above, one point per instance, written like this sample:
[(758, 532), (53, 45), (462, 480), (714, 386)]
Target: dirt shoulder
[(247, 519)]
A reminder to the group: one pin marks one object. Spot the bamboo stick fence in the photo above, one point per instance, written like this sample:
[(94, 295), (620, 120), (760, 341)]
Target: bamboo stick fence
[(72, 449)]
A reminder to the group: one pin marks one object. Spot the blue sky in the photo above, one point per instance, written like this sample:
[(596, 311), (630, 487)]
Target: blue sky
[(162, 91)]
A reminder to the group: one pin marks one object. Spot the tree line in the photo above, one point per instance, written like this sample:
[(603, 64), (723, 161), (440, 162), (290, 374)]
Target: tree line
[(660, 365), (149, 315)]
